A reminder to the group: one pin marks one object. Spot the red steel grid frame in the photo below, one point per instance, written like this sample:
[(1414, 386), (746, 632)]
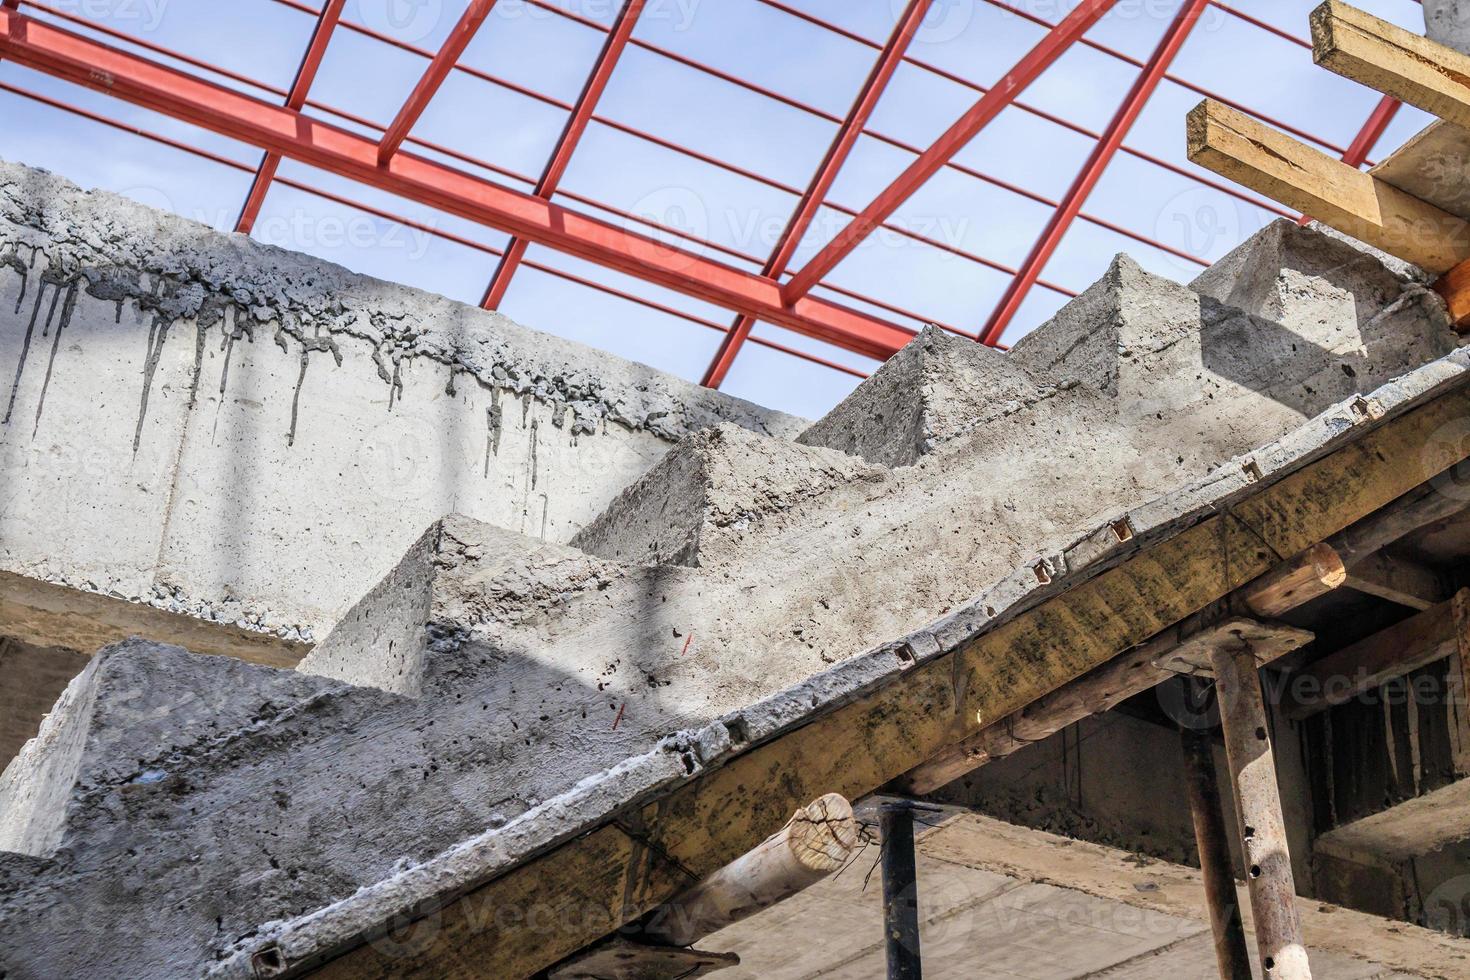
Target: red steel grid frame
[(716, 161), (305, 75), (530, 181), (1024, 106), (447, 59), (622, 215), (821, 114), (991, 104), (443, 62), (1092, 171), (816, 193), (410, 223), (79, 59), (561, 157), (676, 148)]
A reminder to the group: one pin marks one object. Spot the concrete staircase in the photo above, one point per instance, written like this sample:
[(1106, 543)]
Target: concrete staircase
[(490, 671)]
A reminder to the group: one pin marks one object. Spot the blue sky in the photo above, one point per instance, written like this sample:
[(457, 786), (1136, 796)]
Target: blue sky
[(537, 49)]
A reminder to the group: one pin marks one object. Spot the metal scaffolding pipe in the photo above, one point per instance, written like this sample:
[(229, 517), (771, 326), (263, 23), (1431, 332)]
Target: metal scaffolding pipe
[(900, 891)]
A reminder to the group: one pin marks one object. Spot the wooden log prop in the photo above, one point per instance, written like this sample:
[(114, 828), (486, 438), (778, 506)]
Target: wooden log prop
[(1258, 805), (1291, 584), (816, 841), (1397, 580)]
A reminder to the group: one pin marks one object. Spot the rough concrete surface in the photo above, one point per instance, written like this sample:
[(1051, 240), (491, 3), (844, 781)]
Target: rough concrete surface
[(1448, 22), (232, 432), (499, 690)]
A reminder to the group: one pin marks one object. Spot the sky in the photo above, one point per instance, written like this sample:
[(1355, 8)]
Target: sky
[(750, 151)]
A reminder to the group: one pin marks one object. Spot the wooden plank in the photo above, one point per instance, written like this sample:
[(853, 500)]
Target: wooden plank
[(1395, 61), (1365, 665), (523, 922), (1248, 152), (1398, 580), (1430, 167), (987, 844), (861, 745), (1454, 288), (1425, 505), (1184, 647)]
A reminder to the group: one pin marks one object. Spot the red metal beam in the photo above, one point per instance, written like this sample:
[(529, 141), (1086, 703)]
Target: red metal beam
[(439, 68), (305, 75), (725, 165), (84, 61), (811, 202), (1092, 170), (410, 223), (1372, 131), (990, 105), (561, 157)]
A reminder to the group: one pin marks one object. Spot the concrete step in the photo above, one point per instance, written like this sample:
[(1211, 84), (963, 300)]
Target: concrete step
[(715, 491), (135, 706), (938, 387)]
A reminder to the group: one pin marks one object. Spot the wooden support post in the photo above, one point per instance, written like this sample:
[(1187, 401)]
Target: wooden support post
[(815, 842), (1214, 851), (1454, 288), (900, 891), (1258, 807)]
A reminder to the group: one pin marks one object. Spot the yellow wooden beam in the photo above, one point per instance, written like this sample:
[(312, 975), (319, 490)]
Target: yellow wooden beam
[(1248, 152), (1394, 61)]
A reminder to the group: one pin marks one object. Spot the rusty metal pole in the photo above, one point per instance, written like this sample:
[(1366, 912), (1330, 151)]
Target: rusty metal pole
[(1258, 807), (900, 891), (1214, 850)]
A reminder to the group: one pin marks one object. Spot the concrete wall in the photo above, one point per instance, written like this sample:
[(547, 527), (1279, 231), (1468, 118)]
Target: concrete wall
[(227, 431)]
